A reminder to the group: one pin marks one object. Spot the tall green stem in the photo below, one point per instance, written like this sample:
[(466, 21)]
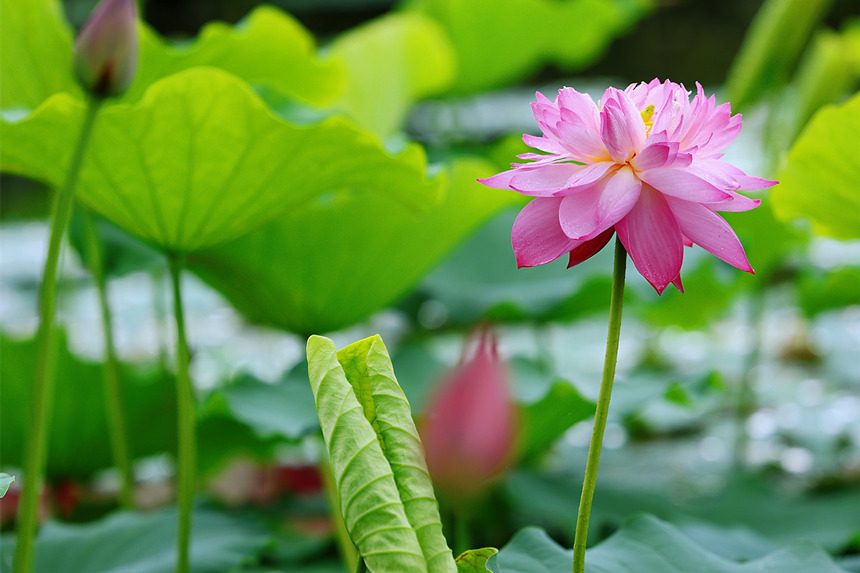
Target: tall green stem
[(43, 384), (615, 304), (187, 454), (112, 391)]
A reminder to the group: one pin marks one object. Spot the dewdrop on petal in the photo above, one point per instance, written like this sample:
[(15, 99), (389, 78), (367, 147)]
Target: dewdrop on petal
[(106, 49)]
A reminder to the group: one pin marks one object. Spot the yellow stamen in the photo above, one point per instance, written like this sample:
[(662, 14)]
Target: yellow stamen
[(647, 113)]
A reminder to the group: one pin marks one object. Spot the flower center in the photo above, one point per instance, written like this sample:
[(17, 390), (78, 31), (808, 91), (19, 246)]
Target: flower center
[(646, 114)]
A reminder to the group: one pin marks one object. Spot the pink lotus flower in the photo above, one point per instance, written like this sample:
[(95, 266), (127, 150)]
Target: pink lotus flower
[(470, 425), (645, 164), (106, 48)]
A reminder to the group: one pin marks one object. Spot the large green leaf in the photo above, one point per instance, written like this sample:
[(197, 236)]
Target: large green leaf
[(201, 160), (475, 560), (392, 62), (268, 49), (332, 263), (79, 444), (386, 496), (500, 41), (545, 421), (144, 543), (35, 53), (820, 178), (648, 545)]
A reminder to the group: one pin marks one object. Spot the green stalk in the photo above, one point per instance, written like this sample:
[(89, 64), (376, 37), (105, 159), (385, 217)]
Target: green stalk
[(43, 384), (112, 391), (187, 453), (615, 304)]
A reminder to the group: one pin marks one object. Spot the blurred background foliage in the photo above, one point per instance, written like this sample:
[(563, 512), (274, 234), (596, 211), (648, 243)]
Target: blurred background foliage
[(736, 416)]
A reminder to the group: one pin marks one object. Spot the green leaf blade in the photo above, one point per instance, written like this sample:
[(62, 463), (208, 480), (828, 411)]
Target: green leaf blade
[(370, 502), (191, 164), (819, 181), (5, 482), (368, 366)]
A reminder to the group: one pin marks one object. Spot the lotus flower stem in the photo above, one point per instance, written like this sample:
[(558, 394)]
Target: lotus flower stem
[(113, 393), (615, 304), (43, 384), (185, 423)]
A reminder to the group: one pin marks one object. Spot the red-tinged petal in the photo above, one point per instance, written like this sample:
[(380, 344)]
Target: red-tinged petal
[(537, 237), (652, 157), (652, 236), (587, 213), (544, 144), (621, 126), (106, 48), (683, 184), (584, 143), (577, 213), (677, 283), (587, 249), (687, 241), (545, 180), (582, 106), (710, 231), (499, 181), (737, 203)]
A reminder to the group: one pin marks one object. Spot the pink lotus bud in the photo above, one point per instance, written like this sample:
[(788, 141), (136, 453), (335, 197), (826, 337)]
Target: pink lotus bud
[(470, 425), (106, 48)]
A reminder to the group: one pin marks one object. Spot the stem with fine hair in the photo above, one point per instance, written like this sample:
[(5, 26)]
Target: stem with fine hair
[(112, 392), (187, 452), (615, 304), (35, 456)]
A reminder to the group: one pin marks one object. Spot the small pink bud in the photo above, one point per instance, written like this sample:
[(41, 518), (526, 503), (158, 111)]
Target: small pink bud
[(106, 48), (470, 425)]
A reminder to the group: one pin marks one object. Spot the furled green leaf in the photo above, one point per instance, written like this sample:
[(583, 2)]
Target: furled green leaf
[(498, 42), (771, 48), (143, 543), (819, 180), (546, 420), (79, 444), (35, 53), (391, 62), (5, 481), (475, 560), (648, 545), (386, 496), (269, 48), (201, 160), (332, 263)]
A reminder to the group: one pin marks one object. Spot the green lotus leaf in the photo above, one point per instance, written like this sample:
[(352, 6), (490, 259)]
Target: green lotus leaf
[(819, 180), (648, 545), (392, 62), (80, 444), (498, 42), (269, 48), (202, 160), (332, 263), (5, 481), (475, 560), (35, 53), (143, 543), (386, 496)]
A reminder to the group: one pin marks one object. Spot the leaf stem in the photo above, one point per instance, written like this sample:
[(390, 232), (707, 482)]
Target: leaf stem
[(35, 456), (187, 452), (114, 408), (588, 484)]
